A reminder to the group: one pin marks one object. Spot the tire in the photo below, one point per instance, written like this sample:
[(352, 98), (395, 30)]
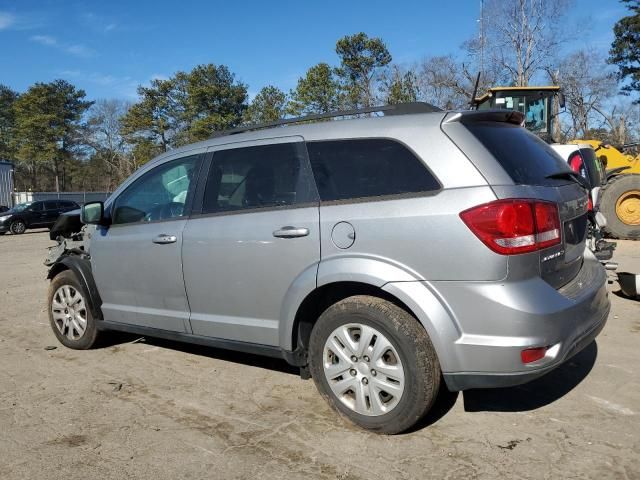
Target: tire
[(69, 312), (18, 227), (2, 233), (405, 359), (612, 192)]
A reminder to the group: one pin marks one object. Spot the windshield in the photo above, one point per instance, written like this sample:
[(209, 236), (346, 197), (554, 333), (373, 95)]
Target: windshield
[(534, 107), (21, 207)]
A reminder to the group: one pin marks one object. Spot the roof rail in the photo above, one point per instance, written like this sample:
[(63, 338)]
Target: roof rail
[(397, 109)]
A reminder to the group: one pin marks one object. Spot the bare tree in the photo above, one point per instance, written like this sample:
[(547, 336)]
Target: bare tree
[(448, 82), (522, 36), (588, 85), (103, 136), (622, 122)]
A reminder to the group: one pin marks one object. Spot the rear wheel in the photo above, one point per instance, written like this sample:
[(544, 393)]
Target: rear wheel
[(620, 204), (374, 363), (69, 312), (18, 227)]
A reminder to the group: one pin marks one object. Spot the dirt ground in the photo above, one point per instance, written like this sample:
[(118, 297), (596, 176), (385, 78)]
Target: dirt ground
[(153, 409)]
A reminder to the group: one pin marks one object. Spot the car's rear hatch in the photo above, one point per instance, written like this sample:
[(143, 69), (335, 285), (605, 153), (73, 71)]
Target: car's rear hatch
[(517, 164)]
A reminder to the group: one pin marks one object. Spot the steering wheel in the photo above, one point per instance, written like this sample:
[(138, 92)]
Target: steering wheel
[(162, 212), (171, 210)]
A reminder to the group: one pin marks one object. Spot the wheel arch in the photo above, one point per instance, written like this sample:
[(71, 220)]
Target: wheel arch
[(441, 329), (82, 269)]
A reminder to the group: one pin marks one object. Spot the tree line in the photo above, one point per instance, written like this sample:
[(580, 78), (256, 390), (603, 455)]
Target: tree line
[(60, 140)]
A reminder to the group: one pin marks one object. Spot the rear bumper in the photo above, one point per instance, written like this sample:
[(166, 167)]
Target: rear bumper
[(496, 321), (466, 381)]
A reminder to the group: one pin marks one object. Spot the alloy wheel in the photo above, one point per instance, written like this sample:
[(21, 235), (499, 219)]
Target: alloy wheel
[(18, 227)]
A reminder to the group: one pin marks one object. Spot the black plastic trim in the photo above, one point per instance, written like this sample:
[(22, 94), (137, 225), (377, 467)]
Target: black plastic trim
[(82, 268), (295, 358)]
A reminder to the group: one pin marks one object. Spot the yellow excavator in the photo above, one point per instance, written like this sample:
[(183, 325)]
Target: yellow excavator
[(619, 198)]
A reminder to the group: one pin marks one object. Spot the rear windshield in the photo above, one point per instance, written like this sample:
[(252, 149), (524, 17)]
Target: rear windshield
[(526, 158)]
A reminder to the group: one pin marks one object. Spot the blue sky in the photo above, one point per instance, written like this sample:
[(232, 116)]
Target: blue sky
[(110, 47)]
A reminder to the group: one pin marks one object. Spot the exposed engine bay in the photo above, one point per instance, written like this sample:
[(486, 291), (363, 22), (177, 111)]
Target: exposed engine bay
[(72, 236)]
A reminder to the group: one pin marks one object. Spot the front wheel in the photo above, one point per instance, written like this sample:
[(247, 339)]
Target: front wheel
[(69, 312), (18, 227), (374, 363)]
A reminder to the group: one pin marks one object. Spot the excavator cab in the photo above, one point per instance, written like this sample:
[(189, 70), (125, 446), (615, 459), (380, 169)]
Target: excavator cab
[(535, 103)]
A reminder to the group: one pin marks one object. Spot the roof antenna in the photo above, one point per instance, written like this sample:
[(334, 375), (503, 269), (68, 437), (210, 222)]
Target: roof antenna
[(472, 103)]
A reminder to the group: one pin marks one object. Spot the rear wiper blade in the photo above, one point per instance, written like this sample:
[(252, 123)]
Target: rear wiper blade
[(570, 174)]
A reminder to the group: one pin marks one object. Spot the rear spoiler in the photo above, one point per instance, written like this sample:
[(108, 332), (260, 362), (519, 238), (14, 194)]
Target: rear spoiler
[(472, 116)]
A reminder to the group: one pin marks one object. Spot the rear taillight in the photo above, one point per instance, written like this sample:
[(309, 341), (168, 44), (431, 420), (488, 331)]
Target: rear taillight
[(515, 226)]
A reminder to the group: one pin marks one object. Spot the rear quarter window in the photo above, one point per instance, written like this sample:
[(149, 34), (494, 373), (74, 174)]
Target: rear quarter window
[(527, 159), (362, 168)]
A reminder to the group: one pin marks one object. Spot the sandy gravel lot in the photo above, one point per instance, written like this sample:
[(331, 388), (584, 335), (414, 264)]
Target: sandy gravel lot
[(153, 409)]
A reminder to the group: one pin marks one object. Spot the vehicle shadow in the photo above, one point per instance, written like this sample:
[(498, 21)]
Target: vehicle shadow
[(538, 393), (259, 361)]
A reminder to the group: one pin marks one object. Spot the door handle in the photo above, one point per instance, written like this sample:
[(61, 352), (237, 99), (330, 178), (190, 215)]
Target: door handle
[(291, 232), (163, 239)]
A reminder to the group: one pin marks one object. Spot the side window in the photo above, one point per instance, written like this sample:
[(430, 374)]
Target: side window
[(50, 205), (258, 177), (160, 194), (346, 169), (36, 207)]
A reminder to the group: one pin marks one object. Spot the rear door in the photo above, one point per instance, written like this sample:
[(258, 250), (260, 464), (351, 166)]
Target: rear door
[(50, 212), (254, 233)]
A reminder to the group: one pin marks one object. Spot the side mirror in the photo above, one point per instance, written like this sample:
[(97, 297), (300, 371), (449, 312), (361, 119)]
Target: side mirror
[(561, 100), (92, 213)]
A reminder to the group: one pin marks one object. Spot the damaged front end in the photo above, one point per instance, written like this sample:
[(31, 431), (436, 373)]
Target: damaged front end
[(72, 237)]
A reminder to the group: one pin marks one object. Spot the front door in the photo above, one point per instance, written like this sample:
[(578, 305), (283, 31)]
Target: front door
[(137, 260), (256, 231)]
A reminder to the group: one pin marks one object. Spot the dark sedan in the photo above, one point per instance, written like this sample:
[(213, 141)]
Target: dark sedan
[(41, 214)]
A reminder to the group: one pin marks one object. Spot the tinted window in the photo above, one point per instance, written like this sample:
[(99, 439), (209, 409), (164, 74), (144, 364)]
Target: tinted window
[(257, 177), (50, 205), (160, 194), (593, 165), (36, 207), (526, 158), (346, 169)]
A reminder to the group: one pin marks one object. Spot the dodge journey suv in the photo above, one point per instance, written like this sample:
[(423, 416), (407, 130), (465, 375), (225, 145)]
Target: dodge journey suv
[(387, 257)]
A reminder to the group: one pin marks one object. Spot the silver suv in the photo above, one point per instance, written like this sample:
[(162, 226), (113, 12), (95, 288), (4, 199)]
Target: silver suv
[(383, 256)]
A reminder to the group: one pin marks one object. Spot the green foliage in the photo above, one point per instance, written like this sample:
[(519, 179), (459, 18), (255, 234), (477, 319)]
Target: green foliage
[(155, 118), (46, 131), (188, 107), (210, 99), (269, 105), (317, 92), (625, 49), (7, 120), (361, 59), (400, 87)]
